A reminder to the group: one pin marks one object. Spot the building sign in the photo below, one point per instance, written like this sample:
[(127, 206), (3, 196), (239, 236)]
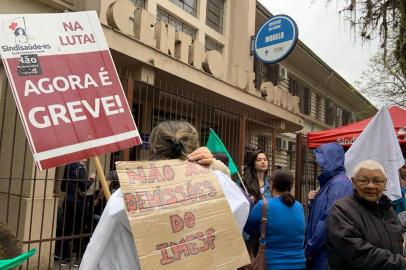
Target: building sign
[(163, 37), (179, 216), (276, 39), (66, 87)]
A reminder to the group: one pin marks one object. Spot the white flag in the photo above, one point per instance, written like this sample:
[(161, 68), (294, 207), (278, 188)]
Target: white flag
[(378, 141)]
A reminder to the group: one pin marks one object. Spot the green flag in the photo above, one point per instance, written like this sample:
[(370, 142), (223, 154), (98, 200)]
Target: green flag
[(12, 263), (216, 145)]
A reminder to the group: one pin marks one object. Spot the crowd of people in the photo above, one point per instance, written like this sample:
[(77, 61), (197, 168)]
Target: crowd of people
[(351, 223)]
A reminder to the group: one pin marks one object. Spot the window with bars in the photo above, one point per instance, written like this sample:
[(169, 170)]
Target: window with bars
[(214, 14), (306, 100), (138, 3), (213, 45), (291, 154), (339, 117), (253, 142), (265, 72), (260, 71), (190, 6), (297, 88), (318, 107), (179, 25), (347, 117), (330, 113)]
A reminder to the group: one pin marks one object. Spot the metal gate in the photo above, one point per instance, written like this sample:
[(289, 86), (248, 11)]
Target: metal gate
[(34, 204), (306, 170)]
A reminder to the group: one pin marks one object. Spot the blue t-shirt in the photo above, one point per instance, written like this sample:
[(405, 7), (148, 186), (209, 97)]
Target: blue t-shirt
[(284, 233)]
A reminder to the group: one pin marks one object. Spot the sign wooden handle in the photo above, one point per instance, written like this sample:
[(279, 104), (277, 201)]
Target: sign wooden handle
[(242, 182), (102, 178)]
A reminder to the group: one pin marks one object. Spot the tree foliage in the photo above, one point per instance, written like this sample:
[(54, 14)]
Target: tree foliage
[(383, 18), (384, 81)]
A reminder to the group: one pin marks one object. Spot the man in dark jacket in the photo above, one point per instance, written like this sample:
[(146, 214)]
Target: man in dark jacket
[(334, 185), (77, 210), (363, 229)]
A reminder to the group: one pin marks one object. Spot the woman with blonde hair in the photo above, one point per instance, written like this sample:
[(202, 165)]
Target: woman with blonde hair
[(112, 245)]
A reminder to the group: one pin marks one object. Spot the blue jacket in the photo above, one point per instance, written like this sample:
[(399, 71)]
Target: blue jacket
[(334, 184), (284, 233), (267, 189), (400, 204)]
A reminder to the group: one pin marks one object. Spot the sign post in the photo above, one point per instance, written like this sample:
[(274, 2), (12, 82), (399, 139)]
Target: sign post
[(103, 181), (276, 39)]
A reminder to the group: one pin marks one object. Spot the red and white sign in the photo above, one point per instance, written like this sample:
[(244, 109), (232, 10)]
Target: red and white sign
[(66, 87)]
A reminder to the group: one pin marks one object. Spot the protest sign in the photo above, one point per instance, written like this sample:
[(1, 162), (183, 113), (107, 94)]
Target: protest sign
[(66, 87), (179, 216)]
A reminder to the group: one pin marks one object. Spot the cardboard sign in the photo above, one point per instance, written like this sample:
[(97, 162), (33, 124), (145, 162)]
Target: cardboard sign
[(179, 216), (66, 87)]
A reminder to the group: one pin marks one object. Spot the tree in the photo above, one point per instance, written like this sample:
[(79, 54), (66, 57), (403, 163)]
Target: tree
[(386, 18), (384, 80)]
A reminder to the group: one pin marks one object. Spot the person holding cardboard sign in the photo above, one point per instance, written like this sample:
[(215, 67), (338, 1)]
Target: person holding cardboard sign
[(112, 245)]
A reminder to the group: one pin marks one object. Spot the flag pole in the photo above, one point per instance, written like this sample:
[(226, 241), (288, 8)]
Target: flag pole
[(242, 182), (102, 178)]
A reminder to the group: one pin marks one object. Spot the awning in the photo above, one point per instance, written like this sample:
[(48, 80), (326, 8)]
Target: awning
[(346, 135)]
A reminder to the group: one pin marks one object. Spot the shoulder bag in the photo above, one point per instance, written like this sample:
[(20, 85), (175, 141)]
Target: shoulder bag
[(259, 261)]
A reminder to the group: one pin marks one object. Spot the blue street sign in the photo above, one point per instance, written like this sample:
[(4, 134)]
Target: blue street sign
[(276, 39)]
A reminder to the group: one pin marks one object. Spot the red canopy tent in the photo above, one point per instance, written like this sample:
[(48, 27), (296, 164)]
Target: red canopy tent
[(346, 135)]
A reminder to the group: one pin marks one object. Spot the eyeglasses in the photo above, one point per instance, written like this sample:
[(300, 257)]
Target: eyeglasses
[(375, 181)]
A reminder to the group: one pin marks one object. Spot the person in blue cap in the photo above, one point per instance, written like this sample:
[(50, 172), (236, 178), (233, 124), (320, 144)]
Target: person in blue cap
[(334, 184)]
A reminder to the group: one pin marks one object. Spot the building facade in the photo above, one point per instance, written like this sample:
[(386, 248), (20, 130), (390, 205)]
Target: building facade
[(326, 101), (178, 59)]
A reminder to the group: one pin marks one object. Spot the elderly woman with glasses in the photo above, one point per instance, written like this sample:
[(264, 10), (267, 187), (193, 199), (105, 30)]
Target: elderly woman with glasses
[(363, 229)]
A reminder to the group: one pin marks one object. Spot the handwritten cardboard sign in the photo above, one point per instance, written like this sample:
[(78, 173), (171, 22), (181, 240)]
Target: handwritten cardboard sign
[(179, 216)]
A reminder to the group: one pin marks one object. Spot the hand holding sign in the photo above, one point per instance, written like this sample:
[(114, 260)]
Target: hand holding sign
[(202, 155)]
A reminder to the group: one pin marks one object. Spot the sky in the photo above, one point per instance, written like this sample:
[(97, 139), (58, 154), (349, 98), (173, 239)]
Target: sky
[(328, 35)]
